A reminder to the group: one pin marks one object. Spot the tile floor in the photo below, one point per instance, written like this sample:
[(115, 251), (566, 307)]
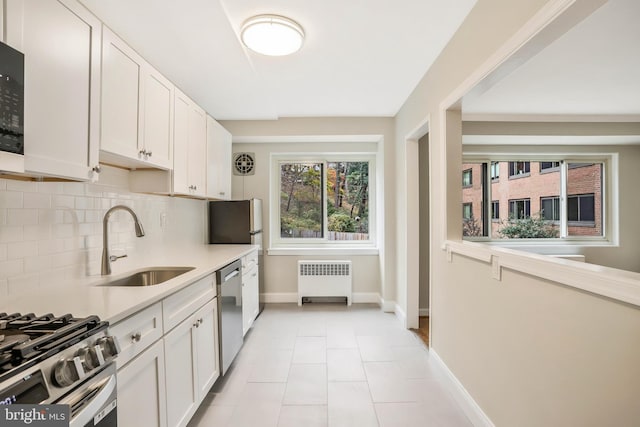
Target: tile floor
[(330, 365)]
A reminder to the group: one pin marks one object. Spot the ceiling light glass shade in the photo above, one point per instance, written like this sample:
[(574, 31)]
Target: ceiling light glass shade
[(272, 35)]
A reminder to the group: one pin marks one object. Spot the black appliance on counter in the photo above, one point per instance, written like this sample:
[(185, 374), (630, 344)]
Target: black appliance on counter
[(60, 360), (11, 109)]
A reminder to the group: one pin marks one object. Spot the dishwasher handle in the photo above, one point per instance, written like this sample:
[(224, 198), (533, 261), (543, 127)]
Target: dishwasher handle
[(231, 275)]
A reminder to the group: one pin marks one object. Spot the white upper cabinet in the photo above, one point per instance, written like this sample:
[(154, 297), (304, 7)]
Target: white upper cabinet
[(137, 109), (190, 138), (121, 71), (218, 160), (61, 43)]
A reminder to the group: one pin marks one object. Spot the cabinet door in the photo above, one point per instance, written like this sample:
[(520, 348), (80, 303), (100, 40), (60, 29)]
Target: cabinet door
[(156, 118), (208, 368), (61, 43), (181, 375), (197, 150), (121, 69), (181, 106), (250, 298), (219, 142), (141, 390)]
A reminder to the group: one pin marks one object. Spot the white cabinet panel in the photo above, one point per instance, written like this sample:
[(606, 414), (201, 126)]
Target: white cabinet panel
[(137, 332), (157, 118), (219, 154), (197, 150), (61, 42), (208, 368), (137, 108), (181, 376), (250, 298), (121, 70), (191, 363), (142, 390)]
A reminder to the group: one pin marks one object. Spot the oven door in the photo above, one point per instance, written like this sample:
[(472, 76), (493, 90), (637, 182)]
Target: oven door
[(94, 402)]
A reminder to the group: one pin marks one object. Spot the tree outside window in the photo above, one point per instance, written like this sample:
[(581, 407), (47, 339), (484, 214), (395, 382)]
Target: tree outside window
[(303, 188)]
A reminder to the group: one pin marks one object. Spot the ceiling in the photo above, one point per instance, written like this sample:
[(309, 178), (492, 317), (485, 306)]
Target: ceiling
[(593, 69), (360, 57)]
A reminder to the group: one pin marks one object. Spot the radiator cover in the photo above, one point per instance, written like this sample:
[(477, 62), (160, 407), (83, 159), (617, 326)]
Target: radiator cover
[(324, 279)]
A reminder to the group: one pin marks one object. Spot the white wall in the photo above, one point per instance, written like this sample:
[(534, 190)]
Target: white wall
[(371, 273), (52, 231), (530, 352)]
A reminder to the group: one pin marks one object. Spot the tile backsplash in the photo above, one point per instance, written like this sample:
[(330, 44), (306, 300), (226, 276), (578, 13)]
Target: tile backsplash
[(53, 230)]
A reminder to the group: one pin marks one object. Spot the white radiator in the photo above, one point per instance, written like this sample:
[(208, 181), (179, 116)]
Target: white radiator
[(324, 279)]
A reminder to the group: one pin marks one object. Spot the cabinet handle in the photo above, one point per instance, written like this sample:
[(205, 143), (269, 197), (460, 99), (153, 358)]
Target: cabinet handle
[(97, 169), (142, 152), (222, 193), (136, 337), (149, 153), (253, 275)]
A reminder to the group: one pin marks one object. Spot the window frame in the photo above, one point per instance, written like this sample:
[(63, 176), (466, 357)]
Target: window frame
[(555, 200), (519, 175), (526, 204), (609, 195), (276, 242), (468, 172)]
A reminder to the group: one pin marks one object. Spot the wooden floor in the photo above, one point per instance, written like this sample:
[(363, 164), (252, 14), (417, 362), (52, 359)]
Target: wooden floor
[(423, 330)]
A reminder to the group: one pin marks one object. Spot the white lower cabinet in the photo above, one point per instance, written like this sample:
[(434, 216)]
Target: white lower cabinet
[(191, 363), (250, 298), (169, 357), (141, 390)]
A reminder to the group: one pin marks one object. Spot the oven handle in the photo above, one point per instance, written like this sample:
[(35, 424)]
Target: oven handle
[(90, 408)]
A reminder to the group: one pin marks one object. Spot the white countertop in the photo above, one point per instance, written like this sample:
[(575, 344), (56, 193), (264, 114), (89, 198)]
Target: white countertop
[(114, 303)]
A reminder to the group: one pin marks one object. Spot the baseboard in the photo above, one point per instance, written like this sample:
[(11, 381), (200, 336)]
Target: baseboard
[(279, 297), (401, 315), (387, 306), (292, 297), (471, 409), (366, 298), (423, 312)]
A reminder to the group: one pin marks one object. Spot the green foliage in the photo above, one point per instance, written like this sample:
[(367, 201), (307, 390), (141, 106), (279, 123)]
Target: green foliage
[(532, 227), (471, 227), (342, 223)]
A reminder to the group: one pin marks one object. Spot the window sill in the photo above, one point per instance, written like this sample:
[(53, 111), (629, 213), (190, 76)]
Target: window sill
[(322, 251), (520, 175)]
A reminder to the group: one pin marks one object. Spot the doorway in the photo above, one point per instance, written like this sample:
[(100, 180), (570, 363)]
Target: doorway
[(424, 239)]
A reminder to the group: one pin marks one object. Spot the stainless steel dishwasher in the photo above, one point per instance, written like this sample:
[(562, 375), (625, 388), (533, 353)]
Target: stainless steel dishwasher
[(229, 312)]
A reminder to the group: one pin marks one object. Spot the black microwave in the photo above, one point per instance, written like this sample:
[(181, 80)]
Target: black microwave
[(11, 100)]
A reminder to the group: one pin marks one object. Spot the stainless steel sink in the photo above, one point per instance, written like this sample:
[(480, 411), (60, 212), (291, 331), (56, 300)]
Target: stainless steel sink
[(149, 277)]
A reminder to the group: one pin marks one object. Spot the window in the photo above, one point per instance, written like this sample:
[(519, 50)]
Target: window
[(520, 209), (495, 210), (569, 204), (519, 168), (550, 208), (467, 178), (322, 200), (495, 171), (301, 211), (467, 211), (581, 208), (549, 166)]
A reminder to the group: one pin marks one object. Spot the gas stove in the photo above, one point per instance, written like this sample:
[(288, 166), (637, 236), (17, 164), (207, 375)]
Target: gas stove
[(57, 359)]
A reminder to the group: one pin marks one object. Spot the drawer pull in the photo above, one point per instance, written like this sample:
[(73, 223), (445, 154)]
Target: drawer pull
[(136, 337)]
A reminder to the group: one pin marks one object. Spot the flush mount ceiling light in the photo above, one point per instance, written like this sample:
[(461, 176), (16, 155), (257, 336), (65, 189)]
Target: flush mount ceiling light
[(272, 35)]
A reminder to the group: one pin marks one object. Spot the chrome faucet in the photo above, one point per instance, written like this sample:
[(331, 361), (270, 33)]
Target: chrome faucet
[(106, 259)]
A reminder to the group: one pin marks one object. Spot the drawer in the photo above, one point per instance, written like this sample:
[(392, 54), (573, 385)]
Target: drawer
[(184, 303), (137, 332), (250, 260)]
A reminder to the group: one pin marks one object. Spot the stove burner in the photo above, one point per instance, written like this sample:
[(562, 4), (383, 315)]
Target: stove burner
[(28, 339), (9, 339)]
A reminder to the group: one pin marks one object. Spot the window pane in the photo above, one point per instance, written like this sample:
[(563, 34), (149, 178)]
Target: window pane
[(467, 178), (495, 170), (530, 203), (472, 197), (584, 199), (348, 200), (550, 208), (301, 200), (495, 209)]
